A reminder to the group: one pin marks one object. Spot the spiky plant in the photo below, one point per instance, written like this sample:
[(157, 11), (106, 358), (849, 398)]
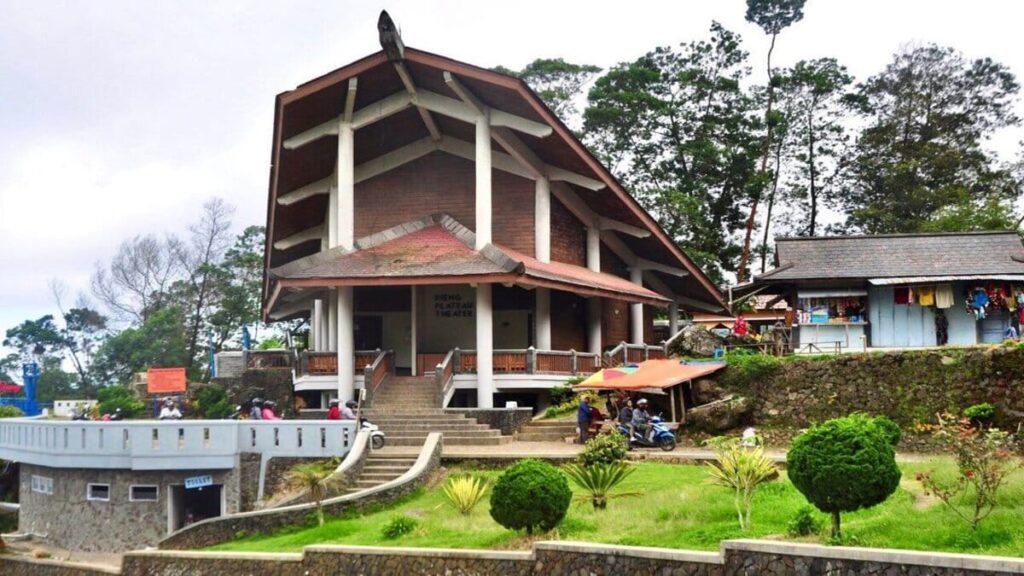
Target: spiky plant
[(742, 470), (598, 481), (465, 492), (312, 478)]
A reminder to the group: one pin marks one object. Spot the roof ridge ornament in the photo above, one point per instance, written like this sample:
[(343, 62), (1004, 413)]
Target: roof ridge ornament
[(390, 38)]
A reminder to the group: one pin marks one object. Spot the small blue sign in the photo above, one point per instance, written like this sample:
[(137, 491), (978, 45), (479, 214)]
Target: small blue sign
[(198, 482)]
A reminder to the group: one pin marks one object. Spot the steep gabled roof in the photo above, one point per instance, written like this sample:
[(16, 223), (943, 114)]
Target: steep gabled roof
[(897, 256), (321, 99)]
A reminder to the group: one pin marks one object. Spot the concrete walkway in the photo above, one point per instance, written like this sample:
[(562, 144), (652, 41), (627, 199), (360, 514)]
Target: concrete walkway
[(561, 451)]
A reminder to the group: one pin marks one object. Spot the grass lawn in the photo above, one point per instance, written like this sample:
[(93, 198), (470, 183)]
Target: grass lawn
[(676, 508)]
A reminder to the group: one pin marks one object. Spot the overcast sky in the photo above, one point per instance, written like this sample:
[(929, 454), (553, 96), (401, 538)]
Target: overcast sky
[(121, 118)]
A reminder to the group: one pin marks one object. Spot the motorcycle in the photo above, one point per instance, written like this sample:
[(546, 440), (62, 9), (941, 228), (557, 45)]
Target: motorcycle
[(376, 434), (659, 434)]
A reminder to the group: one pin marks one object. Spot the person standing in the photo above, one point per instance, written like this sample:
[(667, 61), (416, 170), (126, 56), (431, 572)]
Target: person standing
[(941, 328), (583, 419)]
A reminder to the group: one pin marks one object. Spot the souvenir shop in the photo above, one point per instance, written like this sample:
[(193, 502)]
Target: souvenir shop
[(824, 317)]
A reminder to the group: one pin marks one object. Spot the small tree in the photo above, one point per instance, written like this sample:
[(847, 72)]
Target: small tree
[(607, 448), (983, 459), (464, 492), (742, 470), (844, 465), (312, 478), (530, 494)]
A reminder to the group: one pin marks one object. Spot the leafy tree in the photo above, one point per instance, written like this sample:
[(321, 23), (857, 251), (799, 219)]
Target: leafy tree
[(113, 397), (772, 16), (844, 465), (928, 115), (557, 82), (314, 479), (530, 494), (239, 282), (158, 342), (35, 338), (815, 93), (967, 216), (678, 129), (10, 368)]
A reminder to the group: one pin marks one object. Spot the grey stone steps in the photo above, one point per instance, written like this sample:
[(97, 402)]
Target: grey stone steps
[(397, 470), (545, 437), (454, 426), (550, 424), (379, 477), (450, 441)]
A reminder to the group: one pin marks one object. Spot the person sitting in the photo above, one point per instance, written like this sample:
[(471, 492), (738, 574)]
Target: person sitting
[(349, 411), (641, 418), (117, 415), (626, 416), (256, 412), (170, 411), (596, 421), (334, 413), (268, 410)]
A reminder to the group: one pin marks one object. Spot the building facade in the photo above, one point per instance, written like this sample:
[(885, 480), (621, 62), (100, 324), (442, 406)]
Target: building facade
[(900, 290), (438, 212)]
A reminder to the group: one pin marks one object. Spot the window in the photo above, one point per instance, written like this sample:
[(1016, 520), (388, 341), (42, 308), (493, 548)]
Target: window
[(42, 484), (100, 492), (143, 493)]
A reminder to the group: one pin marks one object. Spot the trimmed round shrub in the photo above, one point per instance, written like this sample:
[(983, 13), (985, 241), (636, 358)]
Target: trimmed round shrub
[(889, 429), (844, 465), (607, 448), (530, 494)]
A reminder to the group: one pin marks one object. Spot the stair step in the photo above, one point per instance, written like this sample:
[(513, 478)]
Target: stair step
[(527, 437), (482, 441), (379, 477), (550, 424)]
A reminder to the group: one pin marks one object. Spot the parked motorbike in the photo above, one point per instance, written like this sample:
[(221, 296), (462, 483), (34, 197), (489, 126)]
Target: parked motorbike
[(659, 436), (376, 434)]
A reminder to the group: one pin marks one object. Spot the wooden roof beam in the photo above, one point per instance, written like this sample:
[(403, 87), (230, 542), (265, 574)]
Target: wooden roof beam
[(350, 99), (314, 233), (366, 170), (585, 214), (410, 87)]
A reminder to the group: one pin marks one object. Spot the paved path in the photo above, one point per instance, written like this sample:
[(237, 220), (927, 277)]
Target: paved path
[(564, 451)]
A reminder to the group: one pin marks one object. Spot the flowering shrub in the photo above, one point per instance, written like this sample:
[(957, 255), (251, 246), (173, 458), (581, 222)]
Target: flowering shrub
[(983, 459)]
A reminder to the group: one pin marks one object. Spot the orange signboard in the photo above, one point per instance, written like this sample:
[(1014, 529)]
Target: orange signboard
[(165, 380)]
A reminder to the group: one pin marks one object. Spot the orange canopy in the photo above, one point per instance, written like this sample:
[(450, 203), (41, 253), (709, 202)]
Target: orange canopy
[(656, 375)]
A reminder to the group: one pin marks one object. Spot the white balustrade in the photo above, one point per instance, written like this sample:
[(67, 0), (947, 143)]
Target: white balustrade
[(168, 445)]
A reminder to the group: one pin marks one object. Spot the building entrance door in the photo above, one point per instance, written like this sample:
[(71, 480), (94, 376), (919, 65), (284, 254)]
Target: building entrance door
[(994, 326), (369, 333), (191, 505)]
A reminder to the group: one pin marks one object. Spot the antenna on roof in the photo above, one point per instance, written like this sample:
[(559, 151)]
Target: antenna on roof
[(390, 38)]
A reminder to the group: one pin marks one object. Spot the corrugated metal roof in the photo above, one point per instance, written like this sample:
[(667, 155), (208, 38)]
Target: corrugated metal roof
[(932, 279)]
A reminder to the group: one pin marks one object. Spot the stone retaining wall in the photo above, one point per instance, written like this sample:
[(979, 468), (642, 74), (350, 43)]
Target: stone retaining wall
[(226, 528), (737, 558), (508, 420), (908, 386), (21, 566)]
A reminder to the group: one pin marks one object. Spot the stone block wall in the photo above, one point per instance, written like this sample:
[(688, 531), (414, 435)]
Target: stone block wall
[(737, 558), (217, 530), (20, 566), (508, 420), (908, 386), (67, 519)]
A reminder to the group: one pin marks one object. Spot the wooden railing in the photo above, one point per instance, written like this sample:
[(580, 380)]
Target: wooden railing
[(375, 372), (626, 353), (530, 361), (425, 363), (326, 363), (444, 377)]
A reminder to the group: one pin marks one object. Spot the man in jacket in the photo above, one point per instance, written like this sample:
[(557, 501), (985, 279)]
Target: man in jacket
[(641, 418), (583, 419)]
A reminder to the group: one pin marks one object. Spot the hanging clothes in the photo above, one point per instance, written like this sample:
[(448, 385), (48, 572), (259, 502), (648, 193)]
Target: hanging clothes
[(901, 295), (944, 296), (926, 296)]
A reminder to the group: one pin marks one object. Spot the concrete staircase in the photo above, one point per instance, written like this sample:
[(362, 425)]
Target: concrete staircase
[(379, 469), (406, 409), (547, 431)]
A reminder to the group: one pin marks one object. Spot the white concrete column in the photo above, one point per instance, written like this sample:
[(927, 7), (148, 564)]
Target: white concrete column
[(325, 338), (346, 344), (483, 182), (594, 248), (636, 311), (542, 220), (412, 329), (346, 207), (332, 321), (316, 322), (484, 347), (673, 319), (332, 217), (543, 318), (594, 325)]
